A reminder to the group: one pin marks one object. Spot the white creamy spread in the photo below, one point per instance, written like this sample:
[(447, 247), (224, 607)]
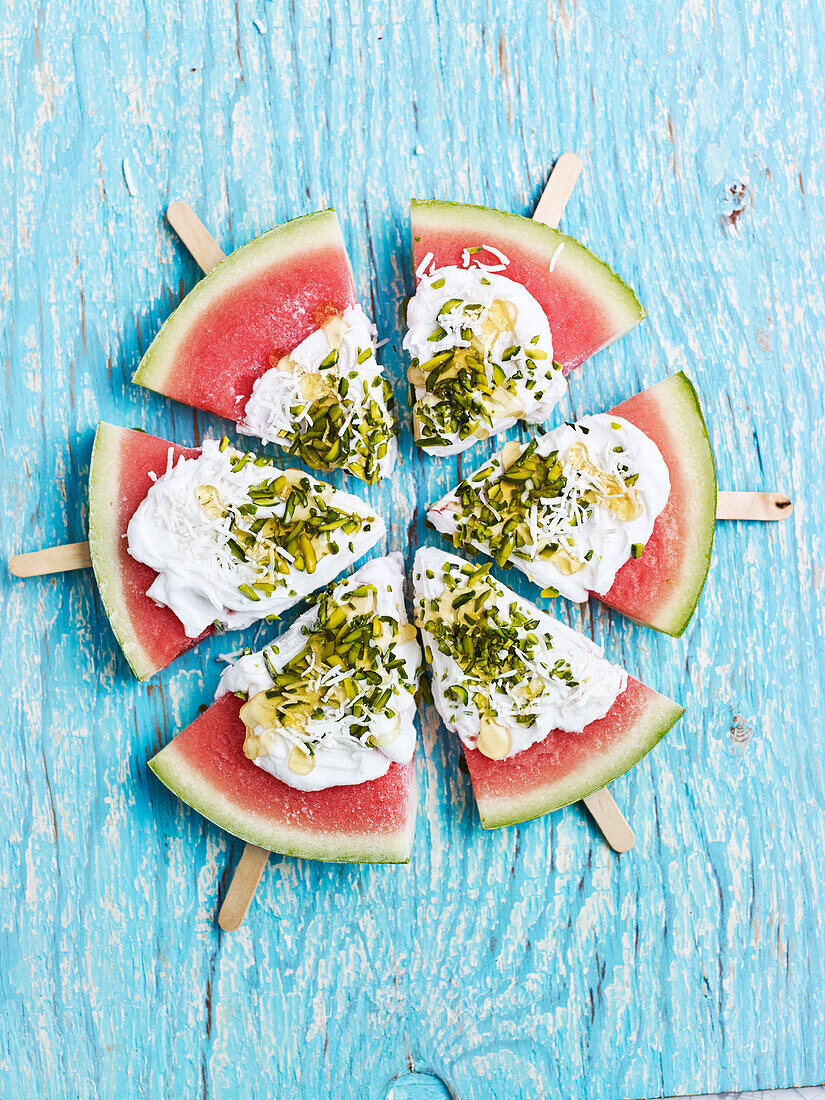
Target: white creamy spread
[(580, 521), (217, 530), (488, 326), (328, 395), (505, 674), (332, 733)]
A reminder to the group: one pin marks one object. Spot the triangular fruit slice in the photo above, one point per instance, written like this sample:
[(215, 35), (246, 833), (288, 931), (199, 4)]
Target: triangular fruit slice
[(274, 339), (620, 506), (662, 588), (503, 308), (586, 303), (185, 541), (329, 708), (543, 718)]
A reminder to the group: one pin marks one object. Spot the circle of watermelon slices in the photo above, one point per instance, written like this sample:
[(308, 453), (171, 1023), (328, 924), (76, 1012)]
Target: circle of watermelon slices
[(262, 301)]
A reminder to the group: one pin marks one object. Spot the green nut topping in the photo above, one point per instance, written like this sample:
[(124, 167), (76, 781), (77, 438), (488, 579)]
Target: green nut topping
[(350, 666), (529, 506), (342, 420), (476, 378), (285, 523), (499, 649)]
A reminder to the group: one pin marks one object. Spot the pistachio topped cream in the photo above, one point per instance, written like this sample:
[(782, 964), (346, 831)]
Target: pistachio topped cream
[(482, 358), (234, 539), (327, 401), (504, 673), (568, 509), (332, 702)]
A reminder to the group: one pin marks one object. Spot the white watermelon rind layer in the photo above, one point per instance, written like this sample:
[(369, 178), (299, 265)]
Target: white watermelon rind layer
[(193, 788), (678, 397), (575, 261), (648, 729), (276, 246), (104, 544)]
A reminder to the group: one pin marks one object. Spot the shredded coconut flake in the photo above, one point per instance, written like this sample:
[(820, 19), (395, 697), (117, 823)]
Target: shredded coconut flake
[(490, 267), (421, 270), (498, 255)]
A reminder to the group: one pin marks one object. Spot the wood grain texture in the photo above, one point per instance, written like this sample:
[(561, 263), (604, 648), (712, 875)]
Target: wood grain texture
[(245, 878), (530, 961), (753, 506), (51, 559), (605, 812)]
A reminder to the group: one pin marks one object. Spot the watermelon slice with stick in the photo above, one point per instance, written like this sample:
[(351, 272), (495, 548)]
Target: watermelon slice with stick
[(566, 767), (273, 339), (543, 718), (669, 501), (587, 304), (504, 307), (126, 466), (226, 765)]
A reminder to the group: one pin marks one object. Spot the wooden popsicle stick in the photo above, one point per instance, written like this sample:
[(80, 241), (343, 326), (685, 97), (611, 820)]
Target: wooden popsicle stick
[(54, 559), (205, 250), (550, 206), (610, 819), (753, 506), (242, 887)]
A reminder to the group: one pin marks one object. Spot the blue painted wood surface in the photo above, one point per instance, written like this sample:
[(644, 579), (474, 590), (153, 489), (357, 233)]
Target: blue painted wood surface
[(527, 962)]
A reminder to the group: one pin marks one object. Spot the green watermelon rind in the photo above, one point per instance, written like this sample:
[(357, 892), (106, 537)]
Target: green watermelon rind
[(689, 422), (542, 240), (275, 246), (647, 730), (704, 512), (104, 537), (192, 787)]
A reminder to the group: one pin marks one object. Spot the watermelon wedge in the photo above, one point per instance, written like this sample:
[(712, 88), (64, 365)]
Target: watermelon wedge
[(125, 477), (587, 304), (659, 588), (566, 767), (150, 635), (255, 307), (543, 718), (205, 767), (274, 339), (326, 712)]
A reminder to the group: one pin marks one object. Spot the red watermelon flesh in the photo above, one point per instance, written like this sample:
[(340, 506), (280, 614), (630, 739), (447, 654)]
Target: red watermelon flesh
[(151, 635), (205, 766), (587, 304), (662, 587), (256, 306), (566, 767)]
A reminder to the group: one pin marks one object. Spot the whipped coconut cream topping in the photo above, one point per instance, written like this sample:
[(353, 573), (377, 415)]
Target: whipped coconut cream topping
[(504, 673), (332, 701), (568, 509), (328, 402), (482, 358), (234, 539)]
